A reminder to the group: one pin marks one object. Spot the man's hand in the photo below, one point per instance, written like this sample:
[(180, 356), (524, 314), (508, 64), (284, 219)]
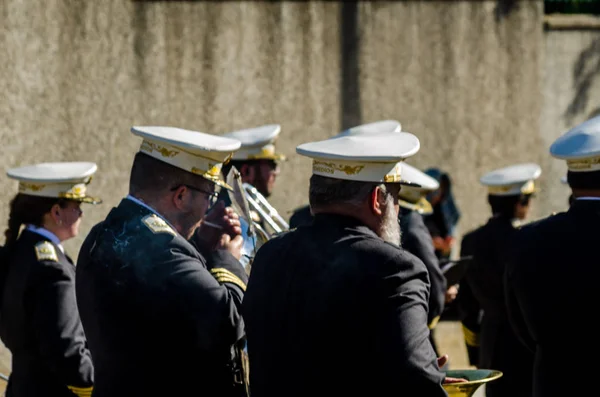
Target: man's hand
[(219, 222), (234, 246), (451, 294), (441, 361)]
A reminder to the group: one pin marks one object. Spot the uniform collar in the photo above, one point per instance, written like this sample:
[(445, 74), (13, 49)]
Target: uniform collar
[(141, 203), (47, 234)]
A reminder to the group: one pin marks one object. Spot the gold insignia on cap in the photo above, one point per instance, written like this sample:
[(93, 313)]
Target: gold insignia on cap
[(223, 275), (157, 225), (347, 169), (45, 251)]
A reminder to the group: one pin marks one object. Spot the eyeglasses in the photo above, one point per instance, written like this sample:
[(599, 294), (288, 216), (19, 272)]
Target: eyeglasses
[(211, 196)]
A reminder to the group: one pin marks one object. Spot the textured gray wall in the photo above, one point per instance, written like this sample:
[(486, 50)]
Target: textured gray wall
[(571, 95), (465, 78), (78, 74)]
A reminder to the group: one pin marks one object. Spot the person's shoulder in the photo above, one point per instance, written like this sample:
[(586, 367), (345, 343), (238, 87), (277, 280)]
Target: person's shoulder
[(548, 223)]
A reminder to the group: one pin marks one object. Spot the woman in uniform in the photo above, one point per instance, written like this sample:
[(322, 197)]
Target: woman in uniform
[(39, 321)]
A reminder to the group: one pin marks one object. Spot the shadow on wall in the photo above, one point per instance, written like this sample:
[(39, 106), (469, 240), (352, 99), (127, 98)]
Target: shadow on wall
[(504, 8), (585, 71)]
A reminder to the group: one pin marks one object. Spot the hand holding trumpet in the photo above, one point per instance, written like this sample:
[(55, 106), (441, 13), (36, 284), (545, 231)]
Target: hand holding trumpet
[(221, 229)]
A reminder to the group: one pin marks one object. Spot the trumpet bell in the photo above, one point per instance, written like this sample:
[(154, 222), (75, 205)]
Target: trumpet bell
[(475, 377)]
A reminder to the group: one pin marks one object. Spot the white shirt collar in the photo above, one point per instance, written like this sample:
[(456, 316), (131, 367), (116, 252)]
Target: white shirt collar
[(140, 202), (46, 233)]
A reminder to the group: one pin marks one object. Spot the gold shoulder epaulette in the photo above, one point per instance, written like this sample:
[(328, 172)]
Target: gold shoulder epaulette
[(157, 225), (225, 276), (45, 251)]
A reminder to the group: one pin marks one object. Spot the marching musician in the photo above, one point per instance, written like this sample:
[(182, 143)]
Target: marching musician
[(257, 160), (158, 287), (481, 300), (337, 307), (560, 252), (39, 320)]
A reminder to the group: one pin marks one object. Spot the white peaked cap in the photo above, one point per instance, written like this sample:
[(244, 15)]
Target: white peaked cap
[(413, 197), (377, 127), (580, 146), (257, 143), (66, 180), (513, 180), (364, 157), (196, 152)]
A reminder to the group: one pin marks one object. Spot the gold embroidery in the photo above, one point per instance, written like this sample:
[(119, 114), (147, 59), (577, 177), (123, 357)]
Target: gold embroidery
[(347, 169), (225, 276), (150, 146), (583, 164), (45, 251), (471, 337), (81, 391), (157, 225), (30, 186)]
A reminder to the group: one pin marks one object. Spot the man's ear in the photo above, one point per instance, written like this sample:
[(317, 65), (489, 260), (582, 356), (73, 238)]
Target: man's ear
[(178, 197), (55, 212), (376, 200), (248, 173)]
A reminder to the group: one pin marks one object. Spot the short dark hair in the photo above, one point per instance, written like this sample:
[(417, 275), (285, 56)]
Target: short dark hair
[(505, 205), (150, 175), (584, 180), (324, 191), (239, 163)]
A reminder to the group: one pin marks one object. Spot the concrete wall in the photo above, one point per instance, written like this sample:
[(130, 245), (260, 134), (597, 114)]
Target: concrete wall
[(78, 74), (571, 95), (466, 77)]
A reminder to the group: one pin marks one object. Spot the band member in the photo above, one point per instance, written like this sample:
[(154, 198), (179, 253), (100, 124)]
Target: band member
[(481, 300), (560, 252), (302, 215), (337, 305), (159, 286), (417, 240), (39, 321), (257, 160)]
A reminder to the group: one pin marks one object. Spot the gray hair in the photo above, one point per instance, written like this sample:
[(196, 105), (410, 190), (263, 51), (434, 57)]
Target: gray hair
[(325, 191)]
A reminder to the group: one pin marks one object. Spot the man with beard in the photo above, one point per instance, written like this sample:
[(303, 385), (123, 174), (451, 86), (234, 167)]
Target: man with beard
[(257, 162), (160, 302), (336, 307)]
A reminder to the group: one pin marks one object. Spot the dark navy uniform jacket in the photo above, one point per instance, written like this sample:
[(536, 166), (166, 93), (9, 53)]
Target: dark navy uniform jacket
[(551, 291), (39, 322), (333, 310), (160, 317), (482, 288), (417, 240)]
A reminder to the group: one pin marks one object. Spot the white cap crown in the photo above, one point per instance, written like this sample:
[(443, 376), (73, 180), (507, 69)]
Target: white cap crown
[(366, 158), (66, 180), (580, 146), (196, 152), (512, 180), (257, 143)]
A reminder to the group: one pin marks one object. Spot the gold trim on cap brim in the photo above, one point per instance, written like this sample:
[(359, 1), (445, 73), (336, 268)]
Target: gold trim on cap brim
[(86, 199)]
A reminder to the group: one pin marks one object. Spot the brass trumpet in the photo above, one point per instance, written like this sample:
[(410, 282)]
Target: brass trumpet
[(266, 211), (475, 378)]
